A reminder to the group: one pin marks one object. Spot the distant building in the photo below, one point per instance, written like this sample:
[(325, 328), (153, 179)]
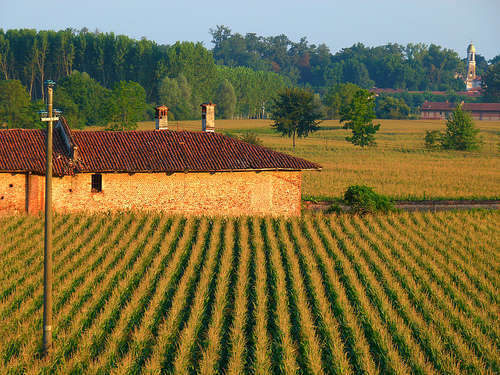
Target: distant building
[(479, 111), (378, 91), (183, 172), (472, 81)]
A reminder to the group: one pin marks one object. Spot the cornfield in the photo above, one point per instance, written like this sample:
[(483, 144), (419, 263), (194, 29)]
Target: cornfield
[(137, 293)]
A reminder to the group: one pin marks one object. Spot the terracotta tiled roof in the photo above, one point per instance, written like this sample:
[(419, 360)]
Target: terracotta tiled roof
[(23, 150), (437, 106), (140, 151)]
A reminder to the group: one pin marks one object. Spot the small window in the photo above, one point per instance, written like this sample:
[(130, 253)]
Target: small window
[(96, 183)]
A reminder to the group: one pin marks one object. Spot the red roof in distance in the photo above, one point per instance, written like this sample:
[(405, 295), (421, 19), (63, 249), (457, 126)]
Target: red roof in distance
[(472, 107)]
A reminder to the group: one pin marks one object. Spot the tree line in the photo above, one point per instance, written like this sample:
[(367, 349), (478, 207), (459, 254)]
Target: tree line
[(31, 57), (418, 66), (97, 71)]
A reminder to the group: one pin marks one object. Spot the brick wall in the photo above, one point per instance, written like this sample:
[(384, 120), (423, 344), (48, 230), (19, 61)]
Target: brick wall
[(238, 193), (21, 192), (12, 192)]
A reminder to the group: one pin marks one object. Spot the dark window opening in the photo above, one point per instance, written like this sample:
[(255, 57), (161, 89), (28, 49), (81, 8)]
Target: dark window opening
[(96, 183), (11, 185)]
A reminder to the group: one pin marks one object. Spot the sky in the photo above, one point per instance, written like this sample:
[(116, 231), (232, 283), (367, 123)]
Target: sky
[(338, 24)]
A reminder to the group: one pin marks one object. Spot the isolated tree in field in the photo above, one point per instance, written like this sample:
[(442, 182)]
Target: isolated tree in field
[(127, 105), (460, 134), (226, 100), (358, 116), (15, 105), (295, 113)]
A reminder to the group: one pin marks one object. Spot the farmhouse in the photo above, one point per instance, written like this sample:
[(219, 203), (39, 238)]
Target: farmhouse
[(479, 111), (181, 172)]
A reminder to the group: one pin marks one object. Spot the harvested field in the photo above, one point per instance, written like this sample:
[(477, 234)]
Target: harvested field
[(399, 166), (148, 293)]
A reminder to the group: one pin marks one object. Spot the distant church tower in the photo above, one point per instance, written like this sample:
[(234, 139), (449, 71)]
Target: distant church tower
[(471, 82)]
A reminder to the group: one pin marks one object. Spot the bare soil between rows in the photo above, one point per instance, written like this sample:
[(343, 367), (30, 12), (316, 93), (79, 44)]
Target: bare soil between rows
[(427, 205)]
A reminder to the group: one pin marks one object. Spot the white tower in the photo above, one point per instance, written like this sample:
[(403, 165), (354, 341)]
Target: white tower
[(471, 81)]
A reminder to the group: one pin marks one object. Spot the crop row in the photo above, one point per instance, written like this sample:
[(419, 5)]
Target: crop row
[(409, 293)]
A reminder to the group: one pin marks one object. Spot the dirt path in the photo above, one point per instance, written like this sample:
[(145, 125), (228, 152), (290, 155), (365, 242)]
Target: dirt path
[(419, 205)]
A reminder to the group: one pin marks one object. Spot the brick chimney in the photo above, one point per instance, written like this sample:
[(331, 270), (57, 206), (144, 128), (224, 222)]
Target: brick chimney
[(208, 117), (161, 118)]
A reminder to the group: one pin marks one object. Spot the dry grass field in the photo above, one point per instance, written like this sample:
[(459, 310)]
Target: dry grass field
[(399, 166), (136, 293)]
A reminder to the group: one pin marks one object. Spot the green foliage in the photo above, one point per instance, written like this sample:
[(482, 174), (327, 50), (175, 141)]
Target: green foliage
[(460, 134), (255, 90), (358, 116), (15, 108), (176, 94), (338, 97), (196, 64), (127, 105), (432, 139), (412, 67), (226, 100), (64, 102), (251, 137), (295, 113), (364, 200), (334, 208), (87, 94), (391, 108), (491, 83)]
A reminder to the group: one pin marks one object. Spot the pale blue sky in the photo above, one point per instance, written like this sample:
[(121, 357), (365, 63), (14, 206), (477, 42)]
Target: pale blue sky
[(338, 24)]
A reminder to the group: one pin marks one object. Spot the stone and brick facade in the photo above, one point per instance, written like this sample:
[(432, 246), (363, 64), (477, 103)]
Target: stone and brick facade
[(188, 173), (220, 193)]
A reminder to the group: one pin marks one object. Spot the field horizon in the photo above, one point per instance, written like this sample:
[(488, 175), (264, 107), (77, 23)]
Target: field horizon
[(399, 166)]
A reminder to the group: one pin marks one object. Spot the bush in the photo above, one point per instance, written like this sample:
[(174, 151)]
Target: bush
[(432, 138), (335, 208), (251, 137), (364, 199)]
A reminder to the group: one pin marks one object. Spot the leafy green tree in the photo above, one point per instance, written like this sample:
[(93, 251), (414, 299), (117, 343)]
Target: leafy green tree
[(64, 102), (225, 98), (176, 94), (460, 134), (126, 106), (87, 94), (295, 113), (358, 116), (15, 106), (491, 83), (390, 107), (339, 97)]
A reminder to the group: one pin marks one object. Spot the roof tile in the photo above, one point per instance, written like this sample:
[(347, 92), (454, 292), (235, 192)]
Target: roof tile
[(23, 150)]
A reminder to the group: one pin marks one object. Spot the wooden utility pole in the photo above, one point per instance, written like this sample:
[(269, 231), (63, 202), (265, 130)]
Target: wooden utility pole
[(47, 255)]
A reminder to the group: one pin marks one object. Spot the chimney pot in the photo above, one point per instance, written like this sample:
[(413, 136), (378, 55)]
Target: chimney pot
[(161, 118), (208, 117)]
